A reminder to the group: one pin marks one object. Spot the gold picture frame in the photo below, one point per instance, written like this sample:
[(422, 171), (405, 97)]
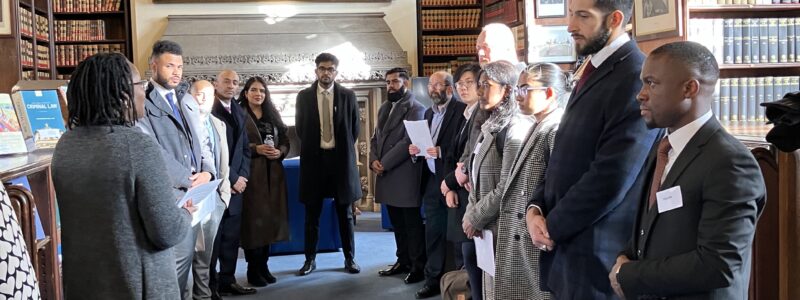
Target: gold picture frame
[(5, 18), (655, 19)]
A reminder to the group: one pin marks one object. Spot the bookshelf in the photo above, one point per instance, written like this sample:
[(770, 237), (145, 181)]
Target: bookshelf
[(38, 28), (511, 13), (446, 34)]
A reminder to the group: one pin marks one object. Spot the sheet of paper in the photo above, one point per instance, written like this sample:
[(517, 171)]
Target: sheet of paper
[(484, 250), (203, 197), (420, 135), (669, 199)]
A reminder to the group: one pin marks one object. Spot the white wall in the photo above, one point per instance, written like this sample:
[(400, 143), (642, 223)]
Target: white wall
[(150, 20)]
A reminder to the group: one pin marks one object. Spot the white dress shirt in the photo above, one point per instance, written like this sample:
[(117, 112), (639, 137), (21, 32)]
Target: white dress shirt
[(601, 56), (323, 144), (163, 92), (681, 137)]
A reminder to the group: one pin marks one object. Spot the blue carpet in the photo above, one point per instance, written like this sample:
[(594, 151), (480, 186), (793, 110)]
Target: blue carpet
[(375, 250)]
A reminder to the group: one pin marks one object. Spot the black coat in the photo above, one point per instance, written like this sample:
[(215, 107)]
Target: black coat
[(451, 124), (455, 231), (346, 126), (238, 149)]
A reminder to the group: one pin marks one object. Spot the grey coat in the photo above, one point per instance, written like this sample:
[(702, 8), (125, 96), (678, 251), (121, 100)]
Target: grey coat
[(399, 184), (517, 260), (483, 208), (175, 142), (119, 216)]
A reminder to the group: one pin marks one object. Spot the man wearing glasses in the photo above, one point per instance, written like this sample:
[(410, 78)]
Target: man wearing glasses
[(445, 118), (327, 124)]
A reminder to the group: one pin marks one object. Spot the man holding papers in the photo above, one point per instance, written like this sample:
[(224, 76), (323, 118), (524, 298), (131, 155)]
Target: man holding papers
[(397, 182), (445, 117)]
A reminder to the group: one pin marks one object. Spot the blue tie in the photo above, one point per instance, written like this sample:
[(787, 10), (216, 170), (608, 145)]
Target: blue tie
[(175, 112)]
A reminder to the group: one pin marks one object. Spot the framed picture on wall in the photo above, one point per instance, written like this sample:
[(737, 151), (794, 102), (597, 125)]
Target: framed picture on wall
[(5, 17), (552, 44), (655, 19), (551, 9)]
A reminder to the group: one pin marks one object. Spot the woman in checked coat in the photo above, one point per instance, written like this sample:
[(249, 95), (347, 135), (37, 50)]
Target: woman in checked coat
[(541, 91)]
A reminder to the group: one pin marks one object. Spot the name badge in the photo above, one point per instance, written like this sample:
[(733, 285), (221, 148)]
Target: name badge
[(669, 199)]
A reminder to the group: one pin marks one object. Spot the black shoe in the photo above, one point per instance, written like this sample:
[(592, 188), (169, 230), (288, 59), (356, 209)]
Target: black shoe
[(215, 296), (255, 278), (235, 289), (414, 277), (268, 276), (351, 267), (308, 267), (395, 269), (427, 291)]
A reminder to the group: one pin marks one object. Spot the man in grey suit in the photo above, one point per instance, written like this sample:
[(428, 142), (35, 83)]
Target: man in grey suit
[(397, 184), (213, 138), (693, 236), (170, 117)]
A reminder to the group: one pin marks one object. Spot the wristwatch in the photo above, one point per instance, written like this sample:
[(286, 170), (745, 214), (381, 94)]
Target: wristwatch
[(464, 169)]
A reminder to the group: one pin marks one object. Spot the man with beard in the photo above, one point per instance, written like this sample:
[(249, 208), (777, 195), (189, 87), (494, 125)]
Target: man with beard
[(445, 118), (583, 215), (212, 136), (327, 124), (171, 116), (226, 244), (397, 181)]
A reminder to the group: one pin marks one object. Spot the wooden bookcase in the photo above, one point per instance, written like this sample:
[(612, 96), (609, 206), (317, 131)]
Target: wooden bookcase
[(14, 49), (446, 33), (511, 13)]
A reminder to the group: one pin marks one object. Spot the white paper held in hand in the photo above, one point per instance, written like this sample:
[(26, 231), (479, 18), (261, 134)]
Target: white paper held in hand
[(202, 197), (420, 135), (484, 250)]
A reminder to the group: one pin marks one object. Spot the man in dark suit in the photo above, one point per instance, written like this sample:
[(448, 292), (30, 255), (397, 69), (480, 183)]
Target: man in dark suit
[(694, 231), (397, 183), (445, 118), (170, 118), (327, 125), (226, 245), (583, 214)]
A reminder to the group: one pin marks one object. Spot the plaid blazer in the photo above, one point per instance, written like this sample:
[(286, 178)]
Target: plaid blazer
[(517, 260)]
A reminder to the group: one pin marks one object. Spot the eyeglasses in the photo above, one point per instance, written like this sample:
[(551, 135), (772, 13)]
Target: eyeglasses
[(144, 83), (465, 84), (328, 70), (523, 90), (438, 85)]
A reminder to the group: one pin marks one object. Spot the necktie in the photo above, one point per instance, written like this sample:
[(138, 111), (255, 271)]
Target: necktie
[(661, 164), (175, 112), (587, 72), (326, 117), (228, 108)]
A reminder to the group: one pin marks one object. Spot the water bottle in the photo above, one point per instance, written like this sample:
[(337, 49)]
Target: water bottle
[(269, 140)]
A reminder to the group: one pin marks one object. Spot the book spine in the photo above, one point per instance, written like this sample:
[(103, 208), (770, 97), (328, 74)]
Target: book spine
[(737, 41), (746, 41), (791, 40), (719, 40), (24, 120), (724, 99), (773, 40), (759, 99), (797, 40), (743, 97), (783, 47), (763, 37), (734, 112), (752, 104), (728, 41), (755, 42)]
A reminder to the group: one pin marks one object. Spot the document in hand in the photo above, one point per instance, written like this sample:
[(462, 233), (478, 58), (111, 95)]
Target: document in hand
[(420, 135), (203, 197), (484, 250)]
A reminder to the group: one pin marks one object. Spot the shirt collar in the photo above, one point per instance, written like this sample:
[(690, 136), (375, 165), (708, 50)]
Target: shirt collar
[(679, 138), (440, 109), (162, 90), (601, 56), (320, 89), (470, 110)]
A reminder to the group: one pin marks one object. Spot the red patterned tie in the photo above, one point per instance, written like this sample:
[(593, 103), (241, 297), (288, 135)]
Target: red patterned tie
[(587, 72), (661, 164)]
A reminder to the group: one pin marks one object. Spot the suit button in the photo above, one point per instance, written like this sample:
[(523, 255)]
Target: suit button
[(641, 232), (516, 237), (520, 216), (639, 252)]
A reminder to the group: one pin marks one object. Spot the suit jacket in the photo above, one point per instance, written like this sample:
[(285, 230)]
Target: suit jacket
[(600, 148), (238, 150), (452, 122), (222, 161), (703, 249), (461, 141), (399, 184), (178, 141), (346, 126)]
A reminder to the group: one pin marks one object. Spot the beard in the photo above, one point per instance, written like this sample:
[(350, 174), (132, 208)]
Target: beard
[(396, 96), (164, 82), (438, 98), (596, 42)]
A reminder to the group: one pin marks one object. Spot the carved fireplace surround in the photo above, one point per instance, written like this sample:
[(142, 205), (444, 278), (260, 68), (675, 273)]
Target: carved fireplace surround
[(282, 50)]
